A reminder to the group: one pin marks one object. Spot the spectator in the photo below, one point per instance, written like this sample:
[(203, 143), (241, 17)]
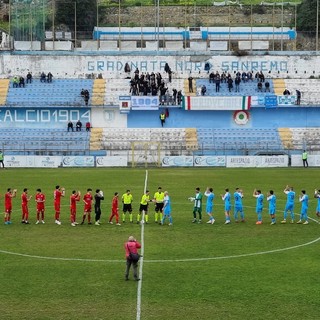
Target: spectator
[(203, 90), (86, 97), (166, 68), (298, 97), (170, 75), (43, 77), (211, 77), (88, 126), (267, 86), (259, 86), (127, 68), (174, 101), (237, 83), (179, 97), (162, 118), (78, 125), (70, 126), (286, 92), (21, 82), (49, 77), (261, 76), (190, 81), (29, 77), (207, 67), (217, 82), (15, 82), (230, 84)]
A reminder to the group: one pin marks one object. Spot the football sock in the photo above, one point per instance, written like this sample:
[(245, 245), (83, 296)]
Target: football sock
[(146, 217), (123, 217), (139, 217), (259, 217), (285, 215), (242, 215), (156, 217), (161, 215), (130, 217)]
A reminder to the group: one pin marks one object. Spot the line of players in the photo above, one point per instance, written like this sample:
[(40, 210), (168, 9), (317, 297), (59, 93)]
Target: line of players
[(161, 200), (238, 206)]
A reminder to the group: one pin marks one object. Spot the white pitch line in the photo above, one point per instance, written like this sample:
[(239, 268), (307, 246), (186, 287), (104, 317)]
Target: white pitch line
[(138, 317), (166, 261)]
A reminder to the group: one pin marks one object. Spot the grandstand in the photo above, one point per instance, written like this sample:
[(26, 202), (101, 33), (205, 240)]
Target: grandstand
[(225, 122)]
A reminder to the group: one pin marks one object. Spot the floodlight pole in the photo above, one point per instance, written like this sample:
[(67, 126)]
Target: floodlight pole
[(119, 21), (158, 23), (282, 26), (75, 24), (98, 35), (317, 27)]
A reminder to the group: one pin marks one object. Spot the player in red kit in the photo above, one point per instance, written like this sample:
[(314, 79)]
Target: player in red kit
[(40, 199), (87, 199), (57, 194), (73, 206), (24, 206), (115, 209), (8, 204)]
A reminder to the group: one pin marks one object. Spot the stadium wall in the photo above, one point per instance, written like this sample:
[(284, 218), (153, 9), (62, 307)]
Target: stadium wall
[(106, 117), (80, 65), (259, 118)]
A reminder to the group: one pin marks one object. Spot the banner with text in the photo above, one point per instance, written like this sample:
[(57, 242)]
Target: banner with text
[(112, 161), (32, 161), (209, 161), (217, 103), (78, 161), (257, 161), (42, 117), (177, 161)]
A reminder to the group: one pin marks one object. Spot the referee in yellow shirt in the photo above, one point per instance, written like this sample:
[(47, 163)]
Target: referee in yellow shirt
[(144, 203), (159, 199), (127, 205)]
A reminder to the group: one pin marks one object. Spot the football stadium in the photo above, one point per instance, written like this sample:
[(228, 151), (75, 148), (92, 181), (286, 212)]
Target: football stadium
[(185, 131)]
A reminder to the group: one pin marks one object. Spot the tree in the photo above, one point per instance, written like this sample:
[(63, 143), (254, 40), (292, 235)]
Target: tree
[(82, 11), (307, 15)]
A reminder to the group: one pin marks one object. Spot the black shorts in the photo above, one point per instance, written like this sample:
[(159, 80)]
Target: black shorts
[(159, 207), (143, 207), (127, 207)]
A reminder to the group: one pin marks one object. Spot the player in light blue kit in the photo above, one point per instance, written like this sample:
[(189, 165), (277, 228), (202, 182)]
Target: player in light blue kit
[(271, 198), (238, 195), (317, 196), (304, 199), (209, 206), (289, 204), (227, 205), (166, 209), (259, 204)]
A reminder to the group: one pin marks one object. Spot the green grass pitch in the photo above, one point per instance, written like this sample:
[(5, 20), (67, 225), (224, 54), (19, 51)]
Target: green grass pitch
[(190, 271)]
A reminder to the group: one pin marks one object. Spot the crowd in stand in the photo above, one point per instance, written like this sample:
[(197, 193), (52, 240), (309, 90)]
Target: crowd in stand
[(153, 84), (19, 81), (78, 126), (234, 82)]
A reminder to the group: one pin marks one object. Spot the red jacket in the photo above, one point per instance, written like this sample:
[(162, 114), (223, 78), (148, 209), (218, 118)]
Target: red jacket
[(133, 246)]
